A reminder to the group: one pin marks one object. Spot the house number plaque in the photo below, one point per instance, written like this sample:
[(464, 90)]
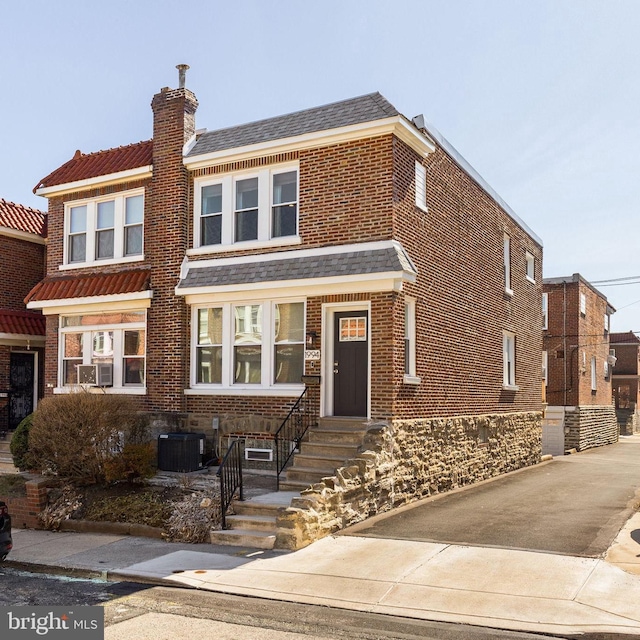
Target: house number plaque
[(312, 354)]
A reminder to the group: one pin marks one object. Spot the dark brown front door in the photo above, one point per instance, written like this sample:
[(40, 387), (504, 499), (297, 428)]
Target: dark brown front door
[(350, 363), (21, 383)]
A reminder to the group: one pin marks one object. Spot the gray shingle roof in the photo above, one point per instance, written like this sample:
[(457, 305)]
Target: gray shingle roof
[(366, 108), (352, 263)]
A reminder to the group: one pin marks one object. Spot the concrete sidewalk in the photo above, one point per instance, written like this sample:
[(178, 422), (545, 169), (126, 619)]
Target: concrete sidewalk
[(498, 588)]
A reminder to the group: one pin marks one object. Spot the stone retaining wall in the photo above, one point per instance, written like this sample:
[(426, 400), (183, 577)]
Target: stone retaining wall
[(408, 460), (590, 426)]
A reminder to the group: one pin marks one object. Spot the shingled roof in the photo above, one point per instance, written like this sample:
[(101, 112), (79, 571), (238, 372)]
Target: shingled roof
[(368, 108), (624, 338), (101, 163), (24, 323), (21, 218)]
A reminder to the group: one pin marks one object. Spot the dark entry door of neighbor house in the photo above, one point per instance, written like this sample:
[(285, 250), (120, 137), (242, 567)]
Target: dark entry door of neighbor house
[(21, 383), (350, 363)]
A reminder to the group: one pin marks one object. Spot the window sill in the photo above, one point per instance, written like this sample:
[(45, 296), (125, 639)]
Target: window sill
[(412, 380), (510, 387), (422, 208), (287, 392), (121, 391), (509, 292), (100, 263), (530, 279), (250, 244)]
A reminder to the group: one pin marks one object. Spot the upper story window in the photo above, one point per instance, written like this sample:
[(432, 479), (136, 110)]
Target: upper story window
[(258, 207), (531, 267), (583, 304), (507, 264), (509, 360), (104, 229), (545, 311), (421, 186)]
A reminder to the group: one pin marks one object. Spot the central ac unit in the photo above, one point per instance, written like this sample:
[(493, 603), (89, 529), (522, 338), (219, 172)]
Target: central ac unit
[(95, 375)]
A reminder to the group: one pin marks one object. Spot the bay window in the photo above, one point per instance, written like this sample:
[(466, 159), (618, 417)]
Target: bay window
[(256, 345), (116, 339)]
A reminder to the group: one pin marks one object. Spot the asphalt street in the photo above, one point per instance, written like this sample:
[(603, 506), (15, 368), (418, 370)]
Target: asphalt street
[(573, 505)]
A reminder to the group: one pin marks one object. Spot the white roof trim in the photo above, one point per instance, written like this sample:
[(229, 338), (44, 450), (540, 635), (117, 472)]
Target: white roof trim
[(397, 125), (65, 304), (22, 235), (15, 338), (120, 176)]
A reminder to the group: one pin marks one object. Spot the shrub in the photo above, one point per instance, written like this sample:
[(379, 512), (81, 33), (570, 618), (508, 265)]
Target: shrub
[(75, 435), (135, 462), (19, 445)]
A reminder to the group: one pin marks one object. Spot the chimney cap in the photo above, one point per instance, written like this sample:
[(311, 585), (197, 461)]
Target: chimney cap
[(182, 74)]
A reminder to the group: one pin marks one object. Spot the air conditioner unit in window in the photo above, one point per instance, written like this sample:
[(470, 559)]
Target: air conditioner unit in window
[(95, 375)]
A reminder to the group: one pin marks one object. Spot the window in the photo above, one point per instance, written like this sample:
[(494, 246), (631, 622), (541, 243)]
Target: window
[(509, 360), (583, 304), (255, 345), (545, 368), (421, 186), (545, 311), (531, 267), (606, 370), (607, 323), (104, 229), (114, 338), (594, 375), (410, 342), (256, 207), (507, 265)]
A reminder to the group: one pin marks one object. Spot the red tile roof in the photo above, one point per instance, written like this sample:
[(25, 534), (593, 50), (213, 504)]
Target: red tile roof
[(618, 338), (62, 288), (21, 218), (101, 163), (24, 323)]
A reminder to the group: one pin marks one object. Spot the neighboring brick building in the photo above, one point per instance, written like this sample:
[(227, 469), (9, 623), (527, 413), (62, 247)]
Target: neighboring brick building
[(346, 242), (22, 246), (625, 347), (578, 368)]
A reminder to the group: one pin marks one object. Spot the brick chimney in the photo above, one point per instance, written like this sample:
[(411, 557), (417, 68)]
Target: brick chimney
[(166, 240)]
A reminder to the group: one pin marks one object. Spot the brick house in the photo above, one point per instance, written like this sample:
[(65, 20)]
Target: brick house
[(580, 412), (22, 332), (211, 270), (625, 347)]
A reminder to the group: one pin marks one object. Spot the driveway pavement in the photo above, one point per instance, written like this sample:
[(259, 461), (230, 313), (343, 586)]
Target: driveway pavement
[(573, 505)]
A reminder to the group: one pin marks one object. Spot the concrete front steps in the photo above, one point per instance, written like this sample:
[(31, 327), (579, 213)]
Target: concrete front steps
[(254, 521), (326, 448), (6, 459)]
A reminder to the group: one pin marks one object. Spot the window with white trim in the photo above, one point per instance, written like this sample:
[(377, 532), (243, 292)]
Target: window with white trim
[(109, 337), (252, 345), (421, 187), (545, 368), (509, 359), (545, 311), (106, 229), (594, 375), (507, 264), (410, 341), (583, 304), (258, 206), (531, 267)]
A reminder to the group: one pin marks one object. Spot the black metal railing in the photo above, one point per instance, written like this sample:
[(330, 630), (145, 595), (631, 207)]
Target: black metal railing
[(230, 474), (288, 437)]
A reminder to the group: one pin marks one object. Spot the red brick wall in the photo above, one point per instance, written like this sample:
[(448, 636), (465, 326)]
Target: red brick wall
[(21, 269), (24, 510), (569, 336), (627, 358)]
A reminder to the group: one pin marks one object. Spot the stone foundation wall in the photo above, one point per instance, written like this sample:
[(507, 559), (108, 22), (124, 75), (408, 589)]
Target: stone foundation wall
[(408, 460), (590, 426)]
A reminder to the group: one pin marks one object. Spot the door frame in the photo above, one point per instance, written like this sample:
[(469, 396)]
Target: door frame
[(35, 371), (327, 355)]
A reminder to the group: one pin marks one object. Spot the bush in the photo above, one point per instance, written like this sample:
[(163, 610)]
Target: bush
[(19, 445), (74, 436), (135, 462)]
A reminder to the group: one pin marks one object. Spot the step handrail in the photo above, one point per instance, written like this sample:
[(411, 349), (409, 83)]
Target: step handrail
[(230, 475), (288, 437)]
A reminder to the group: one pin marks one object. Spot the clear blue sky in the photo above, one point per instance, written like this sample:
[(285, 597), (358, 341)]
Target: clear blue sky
[(540, 96)]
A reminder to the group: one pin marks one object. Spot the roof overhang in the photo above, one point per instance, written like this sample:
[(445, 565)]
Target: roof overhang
[(138, 173), (136, 300), (249, 276), (22, 235), (19, 340), (396, 125)]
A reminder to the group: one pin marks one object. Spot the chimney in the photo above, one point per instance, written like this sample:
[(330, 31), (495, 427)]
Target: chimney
[(182, 74)]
